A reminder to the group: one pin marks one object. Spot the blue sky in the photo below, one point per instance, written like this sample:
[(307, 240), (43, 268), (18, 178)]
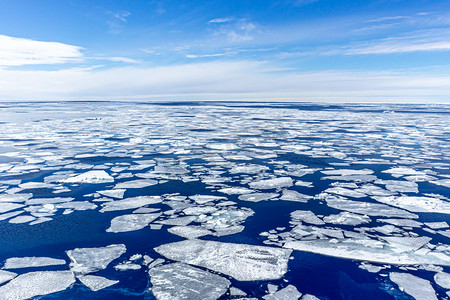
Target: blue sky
[(306, 50)]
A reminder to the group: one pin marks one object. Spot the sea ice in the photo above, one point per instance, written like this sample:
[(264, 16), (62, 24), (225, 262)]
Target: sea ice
[(347, 218), (131, 222), (34, 284), (241, 261), (31, 262), (181, 281), (97, 176), (307, 217), (289, 195), (21, 219), (288, 293), (273, 183), (256, 197), (6, 276), (115, 193), (96, 283), (189, 232), (202, 199), (135, 184), (418, 288), (130, 203), (5, 207), (417, 204), (443, 280), (88, 260)]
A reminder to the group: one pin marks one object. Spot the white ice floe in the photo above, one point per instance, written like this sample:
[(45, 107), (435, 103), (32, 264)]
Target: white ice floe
[(31, 262), (401, 171), (202, 199), (97, 176), (127, 266), (443, 280), (21, 219), (240, 261), (288, 293), (96, 283), (189, 232), (115, 193), (256, 197), (77, 205), (367, 208), (417, 204), (306, 216), (442, 182), (418, 288), (5, 207), (345, 192), (88, 260), (236, 191), (402, 222), (274, 183), (180, 221), (347, 218), (181, 281), (15, 197), (135, 184), (6, 276), (437, 225), (130, 203), (390, 251), (345, 172), (289, 195), (131, 222), (248, 169), (34, 284), (43, 201), (401, 186)]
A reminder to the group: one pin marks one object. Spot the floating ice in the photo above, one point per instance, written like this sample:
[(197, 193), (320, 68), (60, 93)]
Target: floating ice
[(131, 222), (401, 171), (6, 276), (437, 225), (418, 288), (273, 183), (345, 172), (288, 293), (5, 207), (21, 219), (180, 221), (345, 192), (96, 283), (417, 204), (97, 176), (243, 262), (31, 262), (181, 281), (289, 195), (15, 197), (307, 217), (127, 266), (347, 218), (388, 252), (256, 197), (34, 284), (77, 205), (136, 184), (236, 191), (248, 169), (189, 232), (115, 193), (54, 200), (401, 222), (88, 260), (443, 280), (130, 203), (202, 199)]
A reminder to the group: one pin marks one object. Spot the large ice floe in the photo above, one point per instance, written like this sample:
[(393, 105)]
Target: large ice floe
[(34, 284), (88, 260), (131, 222), (240, 261), (181, 281), (31, 262)]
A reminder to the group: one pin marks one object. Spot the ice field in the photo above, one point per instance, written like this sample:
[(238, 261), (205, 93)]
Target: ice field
[(224, 200)]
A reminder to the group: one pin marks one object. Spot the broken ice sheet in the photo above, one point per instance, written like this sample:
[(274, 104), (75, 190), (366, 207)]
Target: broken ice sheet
[(241, 261), (418, 288), (189, 232), (135, 184), (96, 283), (34, 284), (88, 260), (181, 281), (31, 262), (273, 183), (6, 276), (97, 176), (288, 293), (417, 204), (130, 203), (131, 222)]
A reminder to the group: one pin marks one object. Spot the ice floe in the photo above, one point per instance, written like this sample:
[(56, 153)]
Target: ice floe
[(130, 203), (96, 283), (97, 176), (88, 260), (273, 183), (6, 276), (417, 204), (181, 281), (34, 284), (189, 232), (418, 288), (31, 262), (240, 261), (288, 293), (131, 222)]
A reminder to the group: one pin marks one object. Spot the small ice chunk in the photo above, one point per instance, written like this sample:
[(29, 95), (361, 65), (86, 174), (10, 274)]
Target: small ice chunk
[(309, 297), (131, 222), (21, 219), (189, 232), (96, 283), (88, 260), (347, 218), (256, 197), (127, 266), (345, 172), (370, 268), (241, 261), (96, 176), (222, 146), (31, 262), (34, 284), (202, 199), (273, 183), (289, 195), (130, 203), (236, 292), (115, 193), (307, 217), (6, 276), (442, 279), (181, 281), (236, 191), (136, 184), (288, 293), (418, 288)]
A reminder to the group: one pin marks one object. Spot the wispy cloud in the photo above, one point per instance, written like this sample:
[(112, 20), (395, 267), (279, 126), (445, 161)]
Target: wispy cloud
[(117, 20), (19, 51), (220, 20), (390, 47)]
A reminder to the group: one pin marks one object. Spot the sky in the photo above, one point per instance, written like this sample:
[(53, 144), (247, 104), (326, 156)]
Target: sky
[(280, 50)]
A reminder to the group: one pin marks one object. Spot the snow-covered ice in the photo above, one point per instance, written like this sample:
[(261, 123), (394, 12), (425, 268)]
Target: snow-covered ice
[(131, 222), (88, 260), (97, 176), (31, 262), (418, 288), (96, 283)]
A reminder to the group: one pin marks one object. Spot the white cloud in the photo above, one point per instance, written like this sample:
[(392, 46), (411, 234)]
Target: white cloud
[(20, 51), (220, 20), (221, 80), (395, 46)]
